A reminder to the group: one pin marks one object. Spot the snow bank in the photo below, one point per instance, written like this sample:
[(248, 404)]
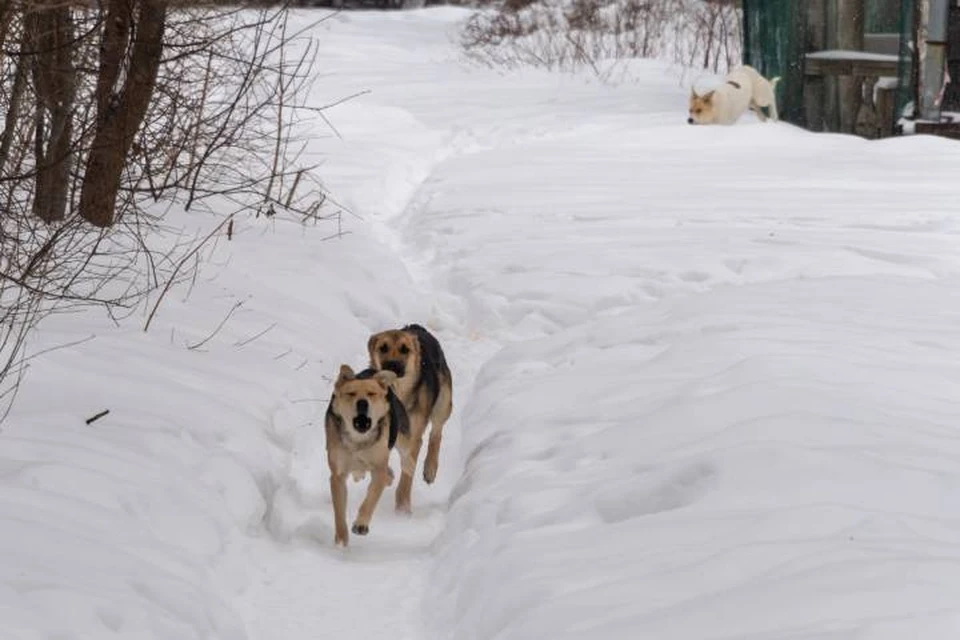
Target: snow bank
[(775, 460), (137, 525), (724, 407)]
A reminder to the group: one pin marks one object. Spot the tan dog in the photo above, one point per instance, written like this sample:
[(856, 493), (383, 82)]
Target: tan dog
[(363, 421), (425, 387), (742, 89)]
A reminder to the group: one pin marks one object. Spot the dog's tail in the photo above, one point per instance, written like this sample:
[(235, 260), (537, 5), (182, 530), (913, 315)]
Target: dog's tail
[(773, 83)]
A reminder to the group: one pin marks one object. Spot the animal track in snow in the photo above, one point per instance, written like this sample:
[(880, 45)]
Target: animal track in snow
[(695, 276), (650, 495)]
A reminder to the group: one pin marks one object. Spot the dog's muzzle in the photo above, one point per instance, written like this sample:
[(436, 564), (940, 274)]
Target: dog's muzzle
[(396, 367), (362, 421), (690, 121)]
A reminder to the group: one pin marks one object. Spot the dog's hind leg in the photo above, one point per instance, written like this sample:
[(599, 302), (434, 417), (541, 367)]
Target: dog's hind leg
[(773, 110), (774, 115), (338, 490), (757, 109), (438, 417), (380, 478)]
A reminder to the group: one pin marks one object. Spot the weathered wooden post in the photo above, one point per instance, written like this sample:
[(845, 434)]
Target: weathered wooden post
[(849, 28), (814, 86), (934, 19)]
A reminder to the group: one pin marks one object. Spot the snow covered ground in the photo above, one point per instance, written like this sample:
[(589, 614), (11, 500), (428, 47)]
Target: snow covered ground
[(705, 383)]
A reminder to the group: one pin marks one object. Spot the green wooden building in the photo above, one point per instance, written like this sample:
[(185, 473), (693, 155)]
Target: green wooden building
[(852, 66)]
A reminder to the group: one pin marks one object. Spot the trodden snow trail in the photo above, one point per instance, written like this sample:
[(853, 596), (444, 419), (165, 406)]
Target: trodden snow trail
[(301, 586), (426, 107)]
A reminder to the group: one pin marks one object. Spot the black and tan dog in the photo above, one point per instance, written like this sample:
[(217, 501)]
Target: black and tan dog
[(363, 421), (425, 387)]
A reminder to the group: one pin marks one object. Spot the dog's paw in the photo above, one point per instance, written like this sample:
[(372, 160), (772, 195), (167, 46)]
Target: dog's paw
[(404, 508), (430, 471), (360, 529), (340, 540)]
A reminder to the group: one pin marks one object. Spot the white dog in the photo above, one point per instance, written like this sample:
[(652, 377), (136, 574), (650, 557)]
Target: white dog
[(744, 88)]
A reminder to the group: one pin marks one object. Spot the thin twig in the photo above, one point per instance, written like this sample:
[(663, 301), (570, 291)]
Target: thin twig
[(179, 266), (58, 347), (219, 326), (243, 343), (96, 417)]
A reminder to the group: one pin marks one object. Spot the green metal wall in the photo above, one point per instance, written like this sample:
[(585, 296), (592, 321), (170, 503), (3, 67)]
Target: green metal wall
[(775, 39), (883, 16), (906, 87)]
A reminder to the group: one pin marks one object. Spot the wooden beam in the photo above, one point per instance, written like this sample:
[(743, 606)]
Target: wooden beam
[(943, 129), (886, 108), (850, 63)]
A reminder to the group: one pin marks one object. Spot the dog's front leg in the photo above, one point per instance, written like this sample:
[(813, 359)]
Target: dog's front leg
[(338, 490), (438, 418), (408, 466), (774, 115), (380, 478)]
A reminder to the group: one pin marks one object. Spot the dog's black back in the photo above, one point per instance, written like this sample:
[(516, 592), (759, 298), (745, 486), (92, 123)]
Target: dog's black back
[(432, 361), (399, 420)]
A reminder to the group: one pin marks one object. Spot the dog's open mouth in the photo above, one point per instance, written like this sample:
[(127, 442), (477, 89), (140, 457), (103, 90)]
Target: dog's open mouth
[(362, 424), (395, 367)]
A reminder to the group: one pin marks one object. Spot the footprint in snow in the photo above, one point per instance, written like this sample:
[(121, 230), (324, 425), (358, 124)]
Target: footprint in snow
[(654, 492)]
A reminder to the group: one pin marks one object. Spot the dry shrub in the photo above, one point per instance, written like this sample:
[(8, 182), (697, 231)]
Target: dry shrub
[(571, 34), (112, 114)]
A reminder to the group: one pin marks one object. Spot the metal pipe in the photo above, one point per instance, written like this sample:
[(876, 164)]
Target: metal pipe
[(939, 19), (933, 56)]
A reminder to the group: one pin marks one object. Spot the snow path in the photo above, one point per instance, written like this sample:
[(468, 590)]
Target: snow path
[(392, 143), (305, 588)]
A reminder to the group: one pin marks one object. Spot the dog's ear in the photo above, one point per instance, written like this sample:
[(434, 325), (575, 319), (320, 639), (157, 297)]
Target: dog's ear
[(707, 97), (346, 374), (371, 346), (693, 94), (385, 378)]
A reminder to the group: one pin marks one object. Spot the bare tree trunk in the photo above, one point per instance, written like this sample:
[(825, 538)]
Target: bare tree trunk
[(6, 18), (54, 76), (120, 114), (709, 23), (13, 108), (113, 51)]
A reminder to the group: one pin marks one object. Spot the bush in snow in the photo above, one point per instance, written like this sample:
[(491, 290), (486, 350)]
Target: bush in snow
[(571, 34), (114, 112)]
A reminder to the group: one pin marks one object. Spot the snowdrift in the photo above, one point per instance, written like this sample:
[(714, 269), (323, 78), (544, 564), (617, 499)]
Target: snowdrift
[(768, 461)]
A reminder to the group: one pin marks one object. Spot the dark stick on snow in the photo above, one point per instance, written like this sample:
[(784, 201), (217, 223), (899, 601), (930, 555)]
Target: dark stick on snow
[(98, 416)]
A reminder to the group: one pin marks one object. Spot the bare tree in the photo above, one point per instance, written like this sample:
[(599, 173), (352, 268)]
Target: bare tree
[(49, 33), (121, 109), (115, 113)]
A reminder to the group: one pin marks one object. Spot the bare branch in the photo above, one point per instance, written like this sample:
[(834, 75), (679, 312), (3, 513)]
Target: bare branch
[(236, 306)]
